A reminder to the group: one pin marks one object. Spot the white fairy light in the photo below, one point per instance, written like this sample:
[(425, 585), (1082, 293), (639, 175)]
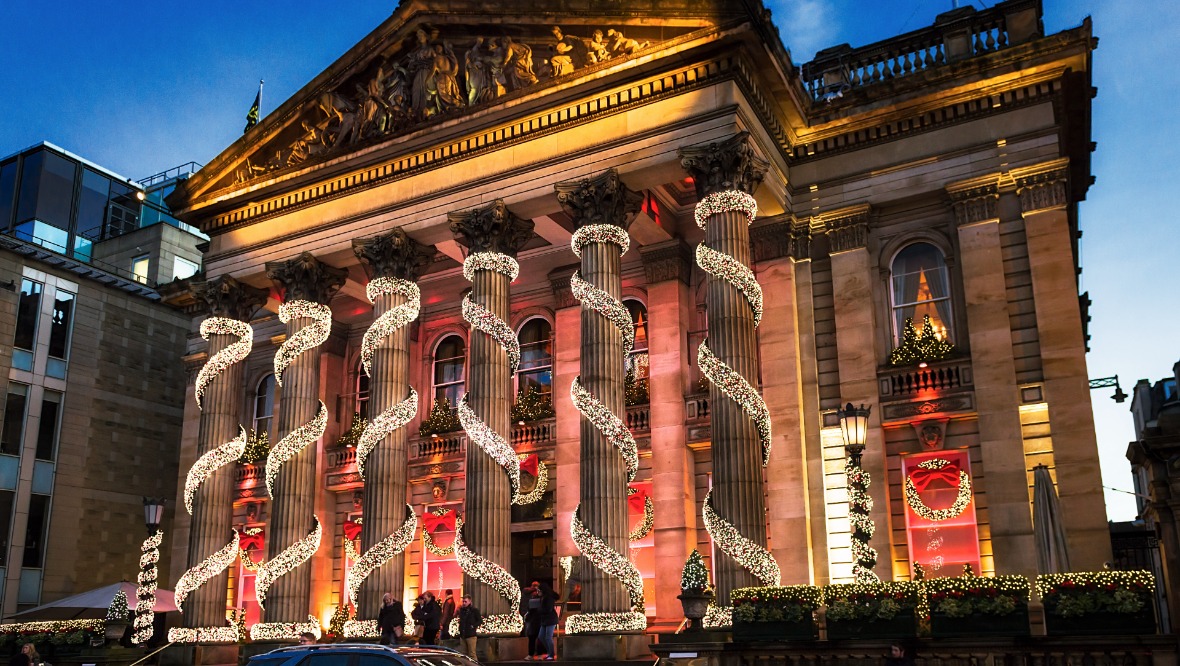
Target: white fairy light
[(203, 635), (285, 562), (486, 321), (599, 553), (205, 571), (724, 202), (386, 422), (567, 567), (234, 352), (490, 261), (146, 591), (600, 233), (292, 444), (539, 487), (736, 388), (306, 338), (383, 551), (391, 319), (962, 498), (428, 540), (275, 631), (606, 422), (598, 300), (725, 267), (209, 463), (492, 443), (496, 577), (362, 629), (644, 527), (248, 562), (752, 557)]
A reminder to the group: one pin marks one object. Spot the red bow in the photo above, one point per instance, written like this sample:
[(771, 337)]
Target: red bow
[(247, 540), (352, 530), (529, 464), (923, 477), (636, 500), (431, 522)]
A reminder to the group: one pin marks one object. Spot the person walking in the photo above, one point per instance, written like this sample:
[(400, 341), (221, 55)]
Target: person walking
[(469, 620), (531, 619), (391, 620), (431, 616), (448, 614), (27, 656), (307, 638), (547, 618)]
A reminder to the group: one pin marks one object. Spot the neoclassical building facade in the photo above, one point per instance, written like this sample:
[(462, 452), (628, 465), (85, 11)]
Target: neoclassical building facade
[(593, 284)]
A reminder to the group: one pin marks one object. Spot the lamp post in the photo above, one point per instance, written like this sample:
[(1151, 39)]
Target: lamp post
[(153, 513), (854, 427)]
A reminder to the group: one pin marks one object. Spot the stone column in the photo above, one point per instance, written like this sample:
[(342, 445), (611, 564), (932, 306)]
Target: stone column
[(669, 308), (396, 256), (737, 452), (597, 205), (213, 505), (1044, 199), (488, 503), (997, 396), (292, 510)]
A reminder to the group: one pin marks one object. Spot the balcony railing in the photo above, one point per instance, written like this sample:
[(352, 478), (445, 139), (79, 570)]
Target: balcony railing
[(341, 457), (639, 418), (909, 382), (531, 434), (696, 407), (249, 475), (441, 445)]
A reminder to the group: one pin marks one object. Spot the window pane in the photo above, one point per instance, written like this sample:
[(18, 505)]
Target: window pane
[(542, 382), (54, 196), (183, 268), (639, 318), (14, 419), (338, 659), (123, 210), (7, 499), (921, 289), (27, 311), (35, 530), (92, 204), (7, 193), (47, 430), (59, 328), (139, 269)]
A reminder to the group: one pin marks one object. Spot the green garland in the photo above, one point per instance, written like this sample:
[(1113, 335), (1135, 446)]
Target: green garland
[(871, 601), (695, 576), (791, 603), (1084, 593), (257, 446), (352, 436), (440, 419), (920, 347), (531, 405), (966, 595)]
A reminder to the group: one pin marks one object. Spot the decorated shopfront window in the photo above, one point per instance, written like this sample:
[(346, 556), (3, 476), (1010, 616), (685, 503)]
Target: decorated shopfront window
[(920, 288), (641, 538), (940, 512), (638, 362), (450, 357), (253, 553), (440, 571)]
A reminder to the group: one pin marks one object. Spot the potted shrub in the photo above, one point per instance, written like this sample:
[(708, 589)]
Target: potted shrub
[(978, 606), (1100, 602), (775, 613), (695, 595), (871, 610)]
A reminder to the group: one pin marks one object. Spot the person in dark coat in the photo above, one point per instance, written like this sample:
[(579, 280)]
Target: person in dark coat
[(448, 614), (429, 613), (469, 621), (532, 625), (547, 618), (27, 656), (391, 620)]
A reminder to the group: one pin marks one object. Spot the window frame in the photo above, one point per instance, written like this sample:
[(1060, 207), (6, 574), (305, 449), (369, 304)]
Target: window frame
[(270, 398), (547, 366), (434, 365), (895, 324)]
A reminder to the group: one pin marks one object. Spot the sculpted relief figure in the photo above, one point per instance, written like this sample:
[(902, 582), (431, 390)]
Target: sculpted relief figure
[(570, 52), (622, 46), (444, 79), (517, 63), (599, 50), (485, 78), (420, 63)]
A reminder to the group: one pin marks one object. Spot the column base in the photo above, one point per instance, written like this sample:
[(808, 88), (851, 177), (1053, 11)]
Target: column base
[(604, 647), (495, 648)]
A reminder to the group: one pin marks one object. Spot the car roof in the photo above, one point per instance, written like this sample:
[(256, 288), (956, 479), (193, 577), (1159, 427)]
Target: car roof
[(405, 650)]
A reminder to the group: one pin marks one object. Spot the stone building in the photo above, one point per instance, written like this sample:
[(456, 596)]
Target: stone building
[(93, 394), (932, 178)]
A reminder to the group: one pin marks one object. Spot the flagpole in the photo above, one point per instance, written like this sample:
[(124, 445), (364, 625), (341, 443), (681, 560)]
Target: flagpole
[(260, 82)]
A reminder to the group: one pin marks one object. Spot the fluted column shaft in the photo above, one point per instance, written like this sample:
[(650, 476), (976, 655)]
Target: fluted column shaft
[(488, 511), (213, 509), (603, 473), (736, 448)]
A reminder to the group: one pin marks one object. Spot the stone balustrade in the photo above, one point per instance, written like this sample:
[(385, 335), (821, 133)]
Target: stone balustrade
[(914, 381), (533, 434), (442, 445)]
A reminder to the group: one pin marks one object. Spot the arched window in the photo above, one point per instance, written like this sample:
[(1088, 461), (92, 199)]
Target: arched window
[(637, 360), (536, 357), (362, 392), (921, 288), (264, 404), (449, 375)]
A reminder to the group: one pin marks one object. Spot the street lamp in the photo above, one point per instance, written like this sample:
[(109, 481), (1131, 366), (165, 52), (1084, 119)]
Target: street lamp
[(153, 513), (854, 426), (145, 616)]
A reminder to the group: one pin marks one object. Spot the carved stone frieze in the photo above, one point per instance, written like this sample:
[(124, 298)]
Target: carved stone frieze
[(670, 260), (559, 279), (963, 402), (976, 200), (847, 228), (1043, 187), (223, 296), (602, 199), (306, 278), (394, 254), (492, 228), (732, 164), (770, 240)]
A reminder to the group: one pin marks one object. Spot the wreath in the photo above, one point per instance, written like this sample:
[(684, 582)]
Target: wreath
[(929, 471)]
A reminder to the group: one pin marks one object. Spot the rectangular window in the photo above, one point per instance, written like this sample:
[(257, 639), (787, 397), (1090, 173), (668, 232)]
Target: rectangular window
[(139, 268), (59, 327), (35, 531), (46, 200), (7, 500), (28, 311), (183, 268), (48, 428), (14, 418)]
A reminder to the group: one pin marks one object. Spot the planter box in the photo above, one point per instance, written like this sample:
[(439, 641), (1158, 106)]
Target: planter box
[(1102, 624), (1013, 624), (901, 626), (774, 632)]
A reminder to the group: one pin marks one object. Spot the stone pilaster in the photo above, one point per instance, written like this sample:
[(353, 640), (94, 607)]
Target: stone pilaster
[(488, 501), (602, 200), (738, 487), (1045, 198), (213, 509), (567, 353), (393, 255), (292, 511), (1001, 444)]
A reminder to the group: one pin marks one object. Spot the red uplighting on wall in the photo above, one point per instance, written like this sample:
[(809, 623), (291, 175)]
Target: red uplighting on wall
[(942, 547)]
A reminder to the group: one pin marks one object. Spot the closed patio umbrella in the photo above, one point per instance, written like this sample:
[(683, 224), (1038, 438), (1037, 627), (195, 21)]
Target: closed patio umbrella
[(1052, 551)]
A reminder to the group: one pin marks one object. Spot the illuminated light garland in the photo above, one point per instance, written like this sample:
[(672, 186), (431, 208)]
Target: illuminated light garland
[(146, 592), (725, 202), (496, 577), (614, 564), (644, 526), (391, 319), (285, 562), (306, 338), (381, 552), (235, 352), (292, 444), (726, 267), (567, 567), (753, 558), (1053, 585), (204, 571), (351, 550), (362, 629), (600, 233), (736, 388), (492, 443), (53, 626), (962, 500), (203, 635), (598, 300), (483, 319), (860, 504), (718, 617), (213, 460), (386, 422), (274, 631), (490, 261), (247, 562), (428, 540), (539, 487), (609, 424), (117, 611)]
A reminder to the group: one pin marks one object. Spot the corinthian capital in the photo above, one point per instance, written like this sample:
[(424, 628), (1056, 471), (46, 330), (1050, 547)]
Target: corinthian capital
[(732, 164), (394, 255), (975, 200), (847, 228), (603, 199), (1043, 186), (492, 228), (306, 278), (224, 296)]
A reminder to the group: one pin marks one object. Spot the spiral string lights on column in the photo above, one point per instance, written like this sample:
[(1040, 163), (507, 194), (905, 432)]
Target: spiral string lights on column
[(751, 556), (596, 550), (496, 577), (295, 441), (205, 571), (860, 504), (146, 592), (308, 337), (209, 463), (235, 352), (381, 552), (286, 561)]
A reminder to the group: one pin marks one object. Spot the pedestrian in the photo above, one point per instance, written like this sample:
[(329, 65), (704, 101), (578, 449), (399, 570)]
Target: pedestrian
[(431, 615), (448, 614), (547, 618), (391, 620), (469, 620), (307, 638), (899, 655), (27, 656), (532, 625)]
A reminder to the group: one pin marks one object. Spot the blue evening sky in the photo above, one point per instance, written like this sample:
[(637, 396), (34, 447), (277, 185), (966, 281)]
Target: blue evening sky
[(142, 87)]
